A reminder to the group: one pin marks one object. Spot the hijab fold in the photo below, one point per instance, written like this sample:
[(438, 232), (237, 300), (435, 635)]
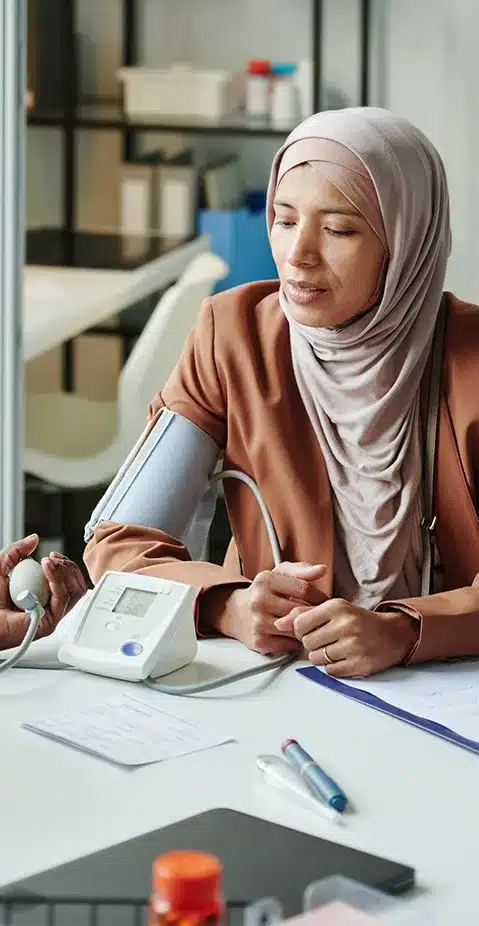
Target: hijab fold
[(360, 383)]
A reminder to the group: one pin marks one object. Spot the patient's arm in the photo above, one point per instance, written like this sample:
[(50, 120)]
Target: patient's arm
[(155, 516)]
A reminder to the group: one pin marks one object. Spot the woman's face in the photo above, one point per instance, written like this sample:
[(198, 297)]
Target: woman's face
[(328, 257)]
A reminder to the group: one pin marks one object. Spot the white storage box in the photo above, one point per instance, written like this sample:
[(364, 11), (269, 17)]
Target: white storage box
[(180, 91)]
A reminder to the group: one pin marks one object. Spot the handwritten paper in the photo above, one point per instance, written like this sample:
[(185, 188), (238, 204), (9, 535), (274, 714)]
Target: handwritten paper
[(126, 731)]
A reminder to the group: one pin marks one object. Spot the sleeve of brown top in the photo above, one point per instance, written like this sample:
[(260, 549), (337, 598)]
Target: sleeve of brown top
[(194, 391), (449, 623)]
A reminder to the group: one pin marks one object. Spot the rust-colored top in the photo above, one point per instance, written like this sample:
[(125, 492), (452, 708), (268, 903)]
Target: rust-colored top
[(236, 382), (187, 884)]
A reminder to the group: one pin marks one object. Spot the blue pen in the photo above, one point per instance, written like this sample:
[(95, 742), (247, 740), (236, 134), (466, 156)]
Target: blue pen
[(320, 783)]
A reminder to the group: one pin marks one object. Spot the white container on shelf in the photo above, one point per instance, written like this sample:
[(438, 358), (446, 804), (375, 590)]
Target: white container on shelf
[(258, 81), (284, 101), (257, 96), (304, 83), (178, 92)]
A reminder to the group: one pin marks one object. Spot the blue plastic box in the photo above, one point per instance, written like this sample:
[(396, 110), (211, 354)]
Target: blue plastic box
[(239, 236)]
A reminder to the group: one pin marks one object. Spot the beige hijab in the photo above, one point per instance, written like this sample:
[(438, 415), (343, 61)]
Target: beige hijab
[(360, 384)]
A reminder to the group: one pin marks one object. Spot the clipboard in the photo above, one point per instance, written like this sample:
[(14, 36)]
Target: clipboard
[(355, 693)]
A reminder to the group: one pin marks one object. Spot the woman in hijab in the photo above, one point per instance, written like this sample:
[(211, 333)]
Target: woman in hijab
[(316, 386)]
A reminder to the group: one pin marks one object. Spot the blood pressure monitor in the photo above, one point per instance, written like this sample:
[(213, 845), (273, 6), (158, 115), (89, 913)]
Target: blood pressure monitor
[(134, 626)]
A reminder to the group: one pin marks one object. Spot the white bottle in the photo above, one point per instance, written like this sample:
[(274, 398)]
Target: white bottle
[(257, 89), (304, 83), (284, 99)]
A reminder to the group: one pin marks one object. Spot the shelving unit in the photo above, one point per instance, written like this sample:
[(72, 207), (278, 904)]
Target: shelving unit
[(68, 247), (109, 116), (100, 115)]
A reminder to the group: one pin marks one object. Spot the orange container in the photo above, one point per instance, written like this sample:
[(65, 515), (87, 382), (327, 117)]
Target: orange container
[(186, 889)]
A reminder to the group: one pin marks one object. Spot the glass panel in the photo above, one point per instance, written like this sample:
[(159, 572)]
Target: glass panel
[(12, 224)]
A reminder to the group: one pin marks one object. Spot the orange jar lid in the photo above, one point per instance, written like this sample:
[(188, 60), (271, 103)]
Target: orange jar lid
[(189, 882)]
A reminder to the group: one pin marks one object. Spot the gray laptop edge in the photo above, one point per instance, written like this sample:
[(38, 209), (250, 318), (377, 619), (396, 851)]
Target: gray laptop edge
[(260, 859)]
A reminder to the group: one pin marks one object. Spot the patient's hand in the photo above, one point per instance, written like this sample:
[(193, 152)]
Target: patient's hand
[(66, 584), (249, 614)]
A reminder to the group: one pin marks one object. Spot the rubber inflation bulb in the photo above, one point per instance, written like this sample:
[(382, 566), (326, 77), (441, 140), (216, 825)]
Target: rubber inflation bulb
[(28, 576)]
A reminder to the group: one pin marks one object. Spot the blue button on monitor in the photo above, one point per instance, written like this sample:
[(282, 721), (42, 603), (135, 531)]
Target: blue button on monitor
[(132, 648)]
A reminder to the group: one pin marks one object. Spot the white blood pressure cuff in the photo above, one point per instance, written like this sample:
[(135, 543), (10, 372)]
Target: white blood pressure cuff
[(165, 483)]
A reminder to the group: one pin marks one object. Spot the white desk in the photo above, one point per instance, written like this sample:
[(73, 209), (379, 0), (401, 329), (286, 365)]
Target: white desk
[(62, 302), (415, 795)]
